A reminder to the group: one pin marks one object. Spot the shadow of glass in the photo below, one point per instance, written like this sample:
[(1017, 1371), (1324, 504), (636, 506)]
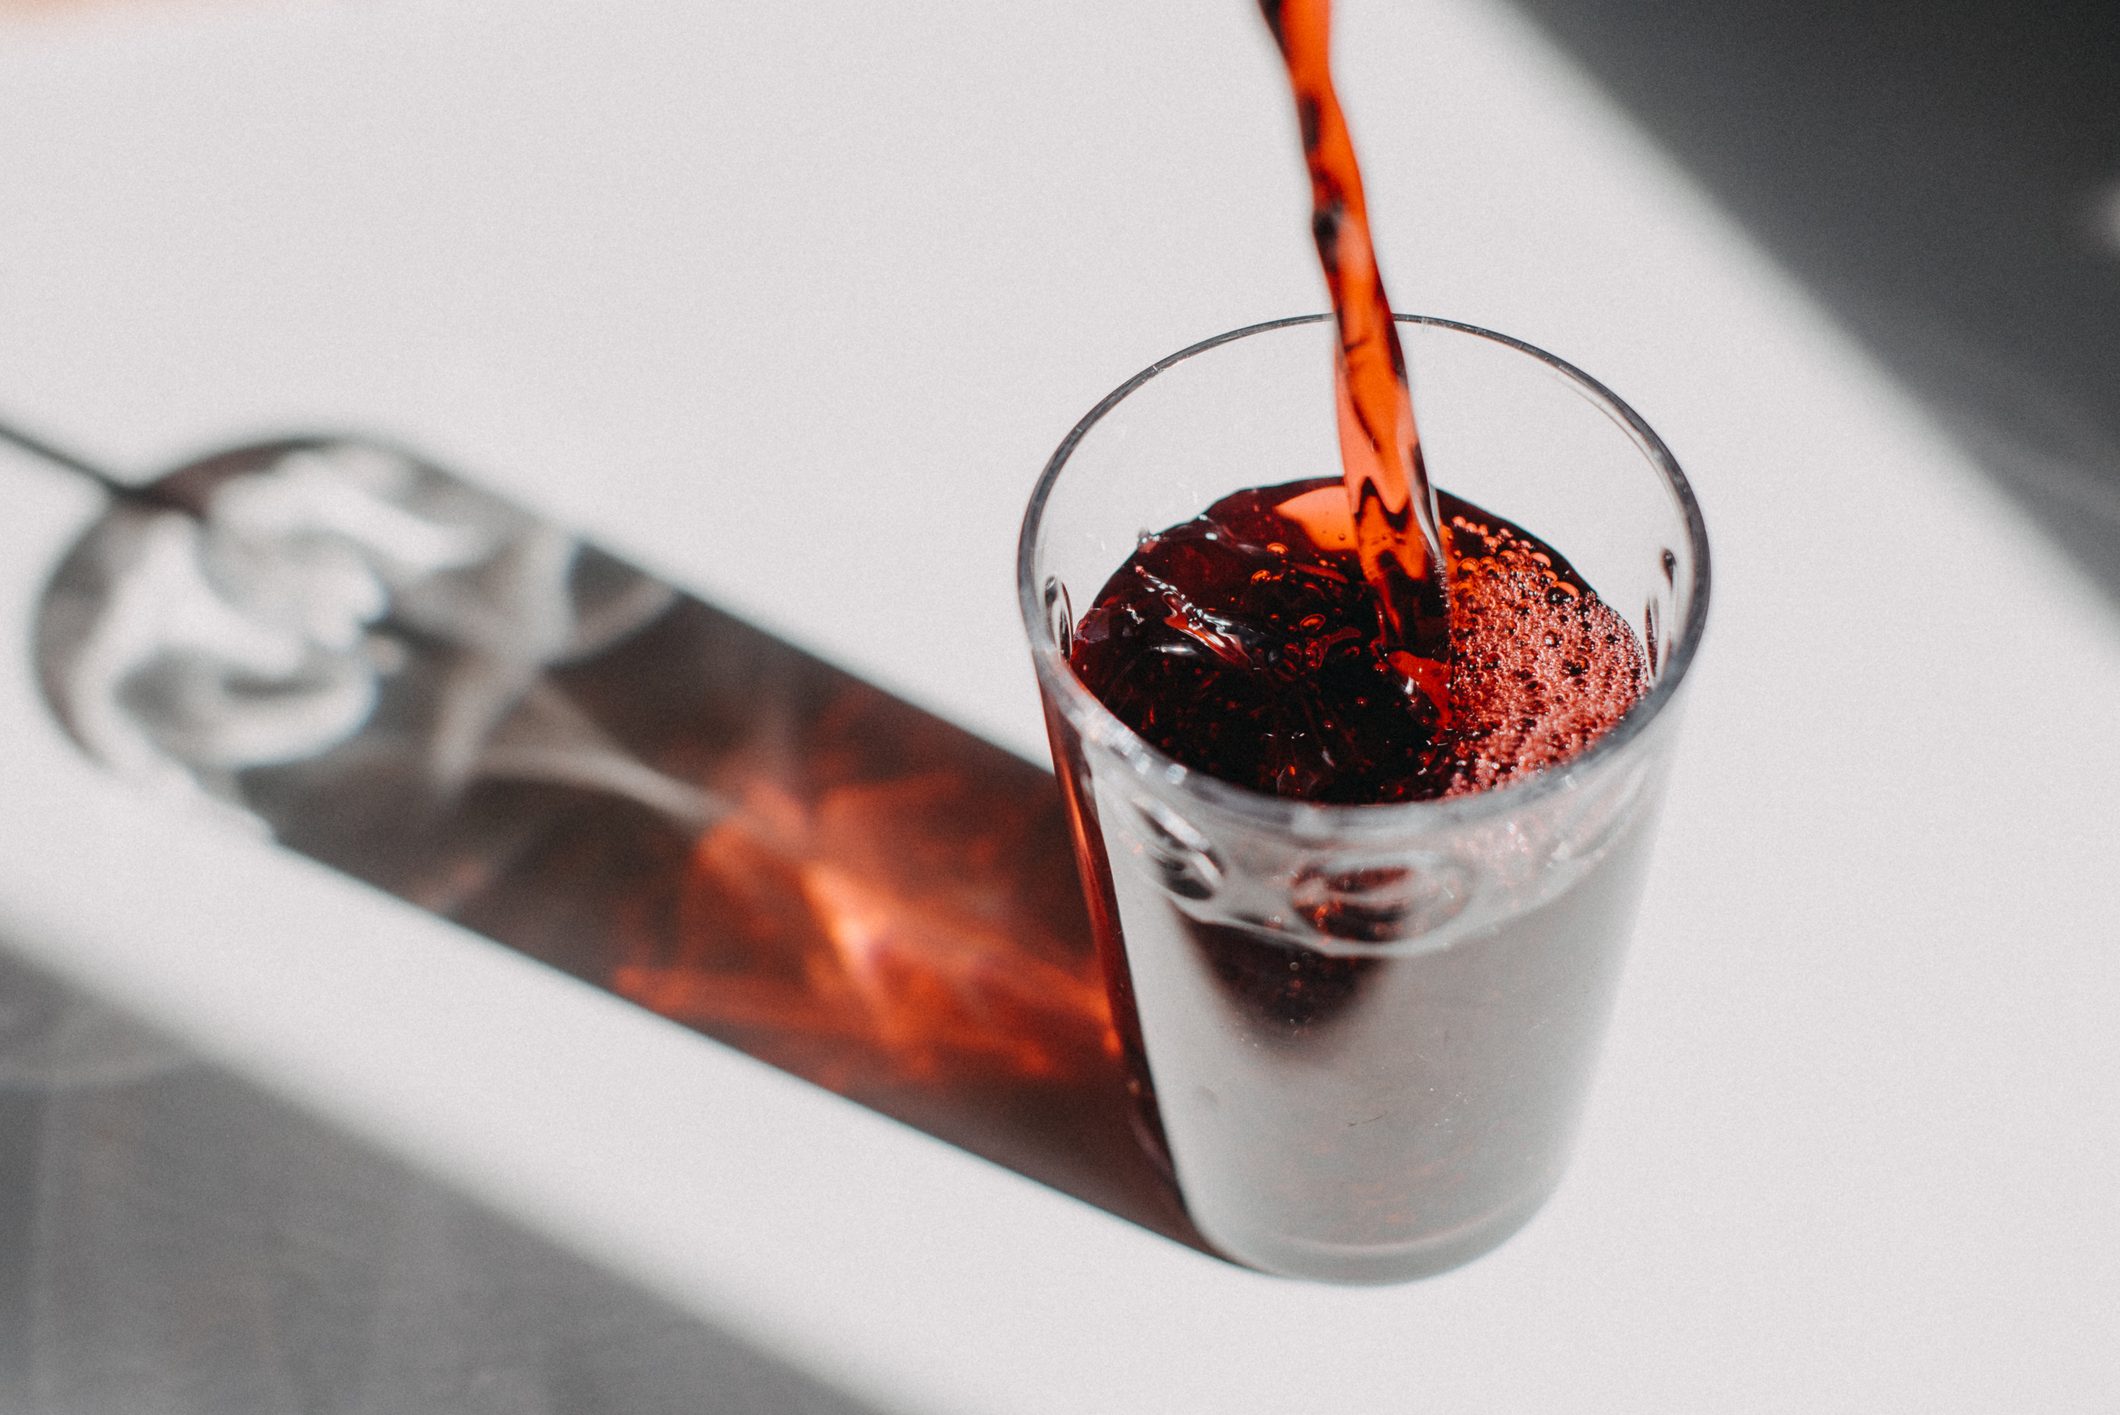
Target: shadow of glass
[(427, 688)]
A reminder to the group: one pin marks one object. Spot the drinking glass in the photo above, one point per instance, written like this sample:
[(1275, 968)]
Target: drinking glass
[(1363, 1033)]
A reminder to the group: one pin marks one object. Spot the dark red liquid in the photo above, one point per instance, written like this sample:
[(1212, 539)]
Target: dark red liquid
[(1362, 1052), (1396, 535), (1331, 1111), (1244, 643)]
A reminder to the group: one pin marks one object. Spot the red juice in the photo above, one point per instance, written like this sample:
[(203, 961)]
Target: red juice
[(1244, 644), (1395, 530), (1360, 905), (1352, 1096)]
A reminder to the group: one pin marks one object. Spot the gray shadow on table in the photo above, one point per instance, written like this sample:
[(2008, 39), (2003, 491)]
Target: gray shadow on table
[(176, 1241), (337, 646), (1945, 177)]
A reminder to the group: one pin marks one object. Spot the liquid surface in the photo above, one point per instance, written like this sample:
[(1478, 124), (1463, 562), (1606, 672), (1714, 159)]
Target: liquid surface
[(1244, 643)]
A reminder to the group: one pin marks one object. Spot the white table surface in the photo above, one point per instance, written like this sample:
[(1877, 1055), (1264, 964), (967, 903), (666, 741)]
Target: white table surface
[(680, 274)]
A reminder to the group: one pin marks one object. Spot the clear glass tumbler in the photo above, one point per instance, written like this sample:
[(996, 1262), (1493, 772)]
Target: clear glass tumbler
[(1413, 1101)]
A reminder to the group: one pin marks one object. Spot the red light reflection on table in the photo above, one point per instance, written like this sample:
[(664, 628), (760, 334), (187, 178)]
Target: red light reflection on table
[(857, 935), (521, 733), (886, 906)]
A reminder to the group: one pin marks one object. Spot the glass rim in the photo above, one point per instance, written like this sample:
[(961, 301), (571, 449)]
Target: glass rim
[(1097, 723)]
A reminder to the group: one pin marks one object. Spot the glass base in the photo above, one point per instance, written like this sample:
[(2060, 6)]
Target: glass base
[(1374, 1264)]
